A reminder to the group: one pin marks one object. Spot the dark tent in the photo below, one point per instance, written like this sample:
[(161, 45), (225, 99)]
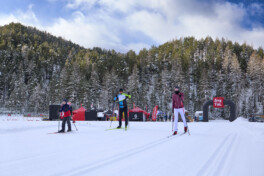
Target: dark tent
[(54, 112), (138, 114), (91, 115)]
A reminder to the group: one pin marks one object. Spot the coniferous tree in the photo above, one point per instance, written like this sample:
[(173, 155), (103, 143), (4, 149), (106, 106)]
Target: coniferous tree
[(38, 66), (133, 86)]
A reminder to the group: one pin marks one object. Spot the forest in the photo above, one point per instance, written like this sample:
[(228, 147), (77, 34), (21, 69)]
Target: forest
[(38, 69)]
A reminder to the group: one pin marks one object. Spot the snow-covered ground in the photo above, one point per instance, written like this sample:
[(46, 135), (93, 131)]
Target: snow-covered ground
[(215, 148)]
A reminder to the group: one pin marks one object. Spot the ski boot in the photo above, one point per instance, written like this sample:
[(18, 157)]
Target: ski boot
[(68, 130), (118, 126), (175, 133), (61, 131)]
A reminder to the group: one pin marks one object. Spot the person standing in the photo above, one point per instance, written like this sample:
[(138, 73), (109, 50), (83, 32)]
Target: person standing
[(166, 117), (66, 111), (178, 107), (121, 98)]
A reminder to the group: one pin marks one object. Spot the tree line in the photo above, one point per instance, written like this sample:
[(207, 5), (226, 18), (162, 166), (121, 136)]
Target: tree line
[(38, 69)]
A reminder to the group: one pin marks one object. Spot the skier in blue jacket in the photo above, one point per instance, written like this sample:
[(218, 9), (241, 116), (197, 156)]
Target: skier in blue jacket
[(66, 112), (121, 98)]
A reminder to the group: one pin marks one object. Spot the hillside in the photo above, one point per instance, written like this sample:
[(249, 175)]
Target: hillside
[(38, 69)]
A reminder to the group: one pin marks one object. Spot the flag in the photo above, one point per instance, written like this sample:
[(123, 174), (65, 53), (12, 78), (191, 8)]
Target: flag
[(154, 113)]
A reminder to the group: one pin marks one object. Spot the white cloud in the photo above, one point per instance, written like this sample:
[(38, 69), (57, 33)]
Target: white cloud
[(124, 25), (5, 19), (256, 9), (136, 46), (28, 17), (151, 24), (81, 31), (254, 37), (74, 4)]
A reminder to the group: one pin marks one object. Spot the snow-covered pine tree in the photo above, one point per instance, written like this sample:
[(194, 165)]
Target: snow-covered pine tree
[(38, 100), (166, 90), (255, 84), (133, 86), (94, 87), (73, 86), (235, 76), (64, 79)]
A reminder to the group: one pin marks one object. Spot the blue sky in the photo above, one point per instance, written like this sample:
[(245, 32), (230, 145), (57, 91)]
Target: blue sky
[(135, 24)]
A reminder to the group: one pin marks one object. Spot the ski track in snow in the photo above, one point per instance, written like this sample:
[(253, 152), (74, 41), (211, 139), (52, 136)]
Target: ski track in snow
[(217, 148), (112, 159), (216, 161)]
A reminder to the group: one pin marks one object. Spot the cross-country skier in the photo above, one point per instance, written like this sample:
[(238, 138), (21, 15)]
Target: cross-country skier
[(178, 107), (66, 111), (121, 98)]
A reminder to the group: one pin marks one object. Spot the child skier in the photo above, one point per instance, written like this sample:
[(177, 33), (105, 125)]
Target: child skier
[(66, 111), (178, 107), (121, 99)]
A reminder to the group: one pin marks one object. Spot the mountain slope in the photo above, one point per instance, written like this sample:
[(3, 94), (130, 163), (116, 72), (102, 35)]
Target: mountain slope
[(38, 69)]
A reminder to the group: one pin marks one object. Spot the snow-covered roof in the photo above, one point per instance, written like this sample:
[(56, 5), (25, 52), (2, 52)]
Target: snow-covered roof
[(199, 112)]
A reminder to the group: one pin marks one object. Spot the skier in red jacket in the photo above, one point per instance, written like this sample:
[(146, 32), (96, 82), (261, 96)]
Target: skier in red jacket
[(66, 111), (178, 107)]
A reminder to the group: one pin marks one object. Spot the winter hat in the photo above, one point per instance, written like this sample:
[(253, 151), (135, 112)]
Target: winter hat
[(177, 87), (121, 90), (65, 100)]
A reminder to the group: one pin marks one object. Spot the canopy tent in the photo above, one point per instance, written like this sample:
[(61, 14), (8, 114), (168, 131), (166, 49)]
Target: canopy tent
[(79, 114), (138, 114)]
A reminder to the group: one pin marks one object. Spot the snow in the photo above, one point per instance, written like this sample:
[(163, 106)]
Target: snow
[(218, 148)]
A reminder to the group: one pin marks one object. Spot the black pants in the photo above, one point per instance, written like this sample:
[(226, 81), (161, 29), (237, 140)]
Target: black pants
[(66, 119), (121, 111)]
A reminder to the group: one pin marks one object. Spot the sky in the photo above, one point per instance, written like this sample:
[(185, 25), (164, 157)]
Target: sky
[(125, 25)]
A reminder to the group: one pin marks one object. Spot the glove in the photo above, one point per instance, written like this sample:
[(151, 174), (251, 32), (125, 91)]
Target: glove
[(128, 93), (61, 115), (114, 100)]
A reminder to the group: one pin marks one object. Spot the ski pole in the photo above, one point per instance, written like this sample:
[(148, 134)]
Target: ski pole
[(172, 120), (74, 123), (128, 121), (59, 121), (111, 121), (188, 128), (75, 127), (113, 112), (59, 125), (186, 122)]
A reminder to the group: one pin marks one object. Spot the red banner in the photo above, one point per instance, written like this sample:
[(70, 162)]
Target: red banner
[(218, 102), (154, 113)]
